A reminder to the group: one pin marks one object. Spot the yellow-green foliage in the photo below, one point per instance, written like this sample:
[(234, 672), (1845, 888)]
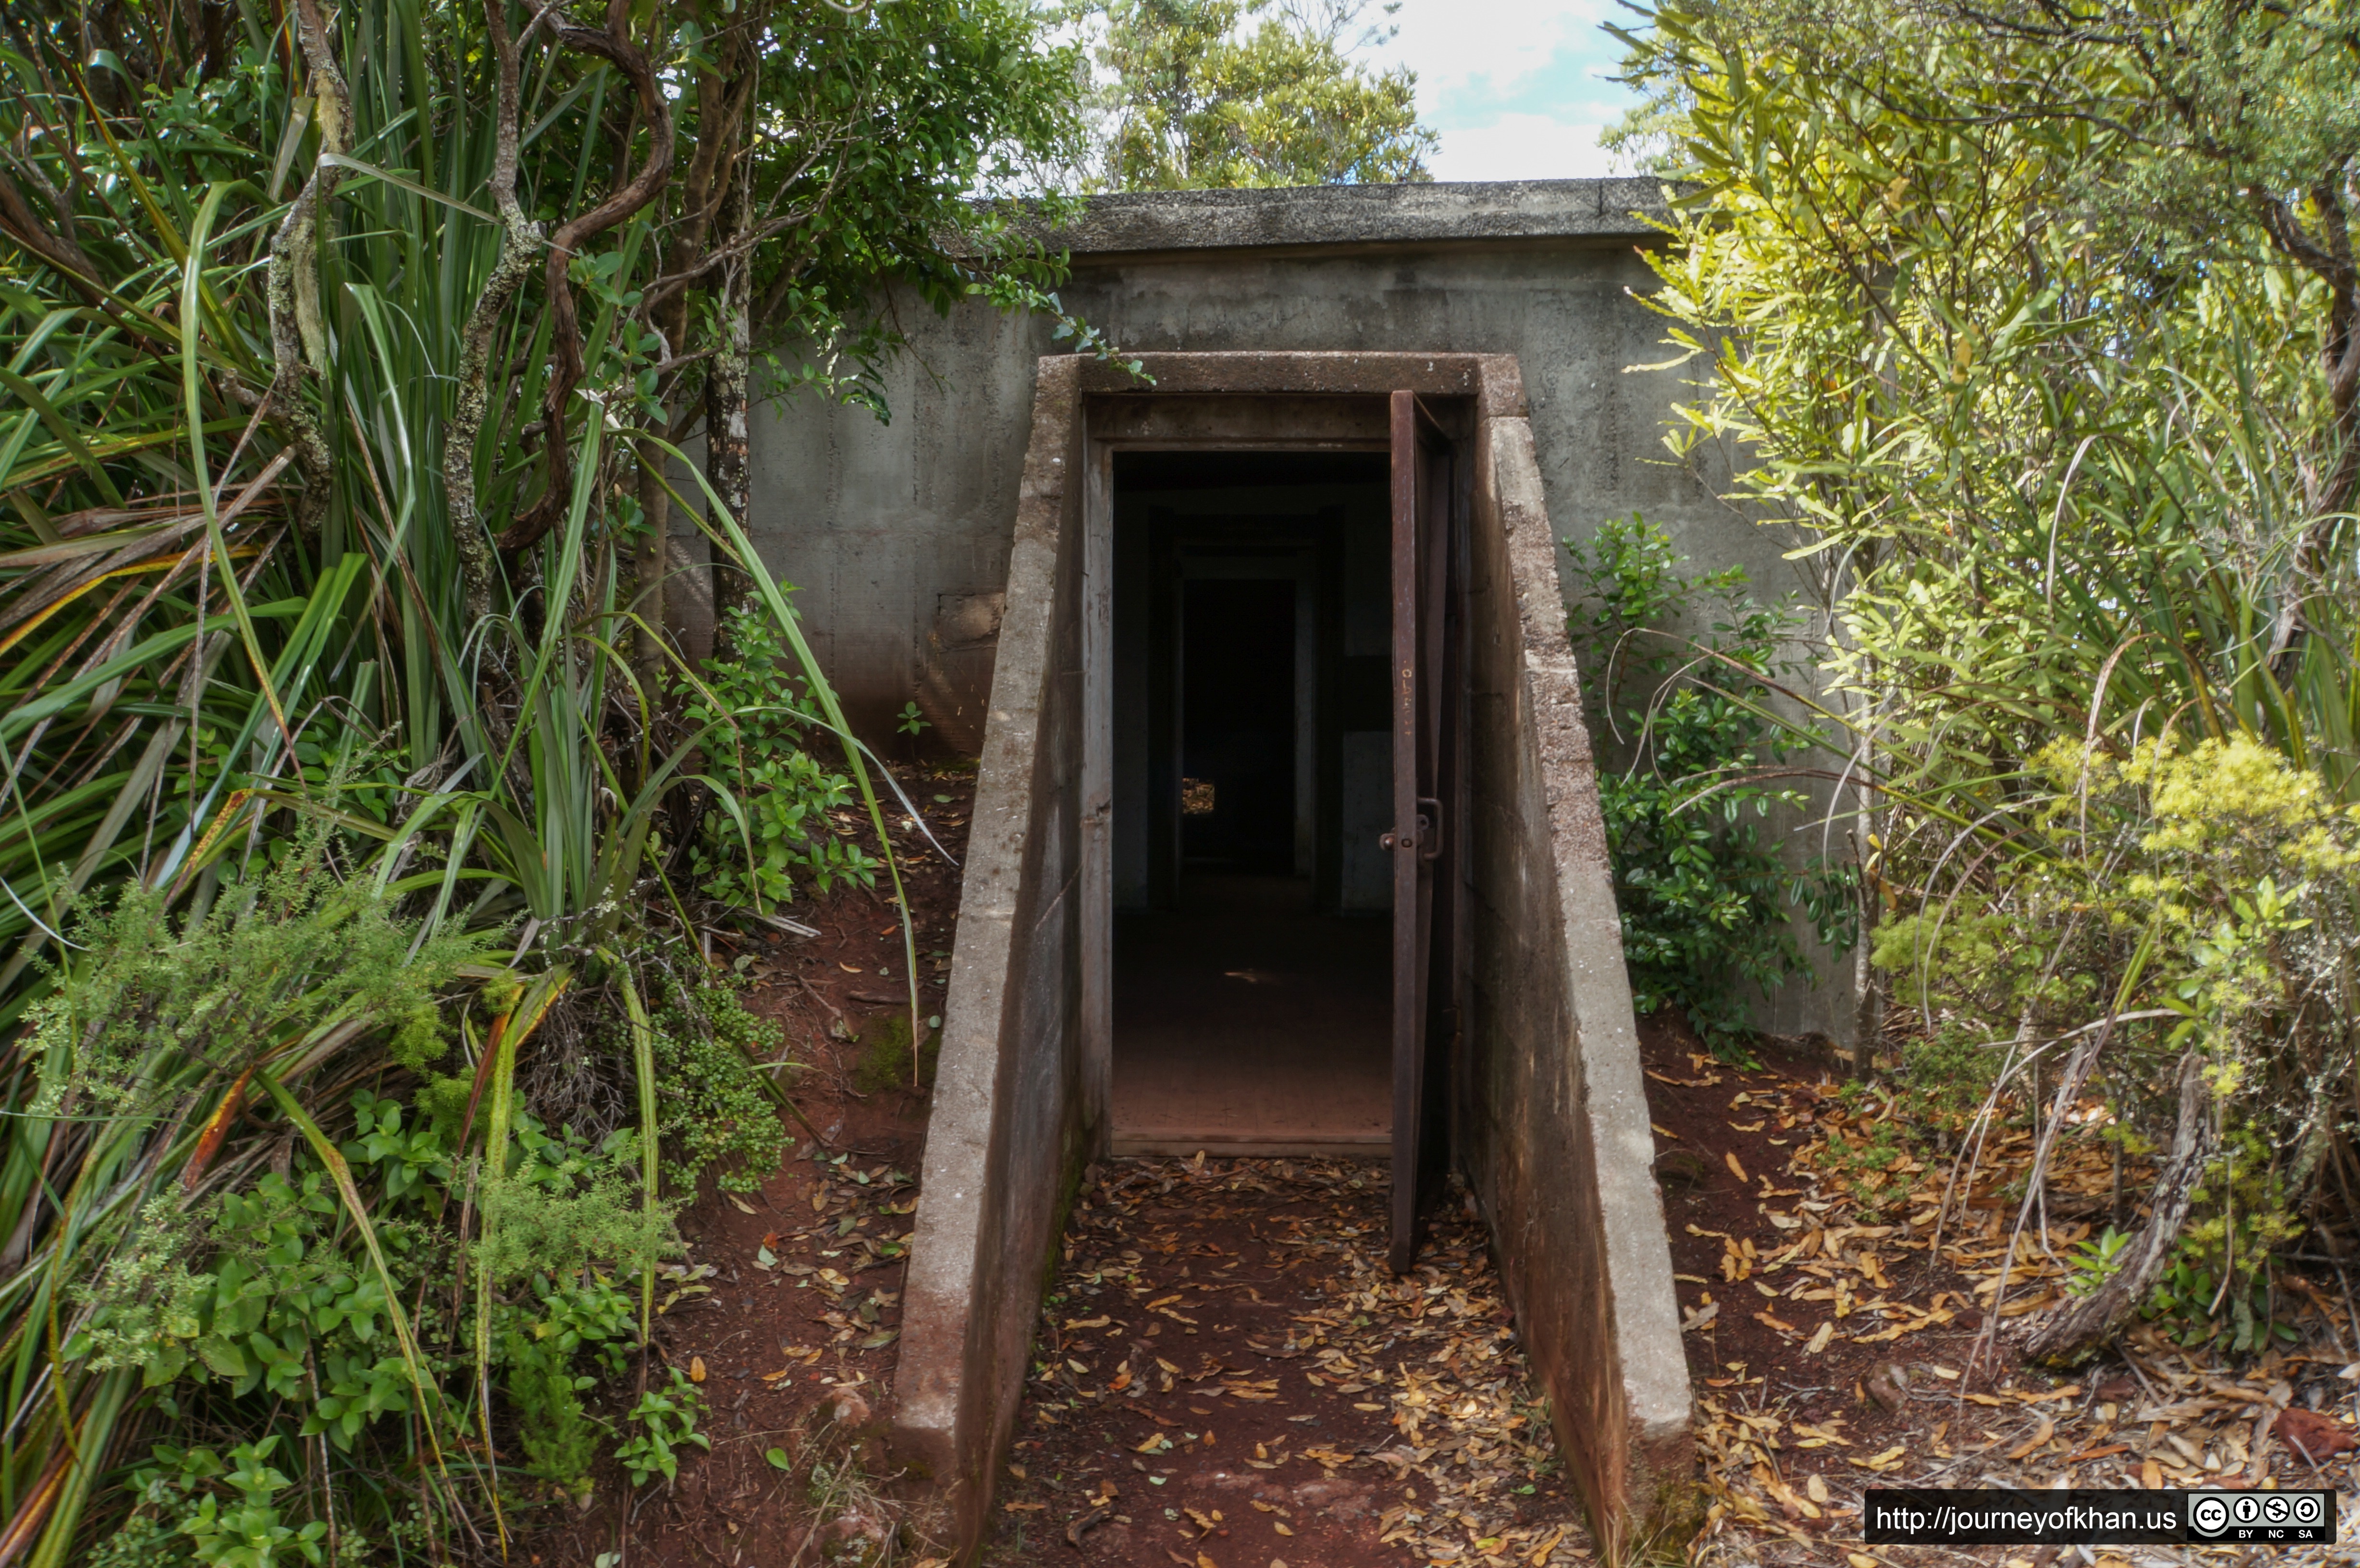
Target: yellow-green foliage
[(2211, 888)]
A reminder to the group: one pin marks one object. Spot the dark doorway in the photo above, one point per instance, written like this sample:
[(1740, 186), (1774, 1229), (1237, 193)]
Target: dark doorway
[(1238, 725), (1252, 784)]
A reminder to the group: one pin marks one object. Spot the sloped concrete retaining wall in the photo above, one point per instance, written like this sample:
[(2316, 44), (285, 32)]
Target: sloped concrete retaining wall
[(1008, 1127), (1551, 1115)]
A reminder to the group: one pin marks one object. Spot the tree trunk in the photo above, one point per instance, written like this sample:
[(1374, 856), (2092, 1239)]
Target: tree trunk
[(725, 410), (2072, 1331), (648, 571)]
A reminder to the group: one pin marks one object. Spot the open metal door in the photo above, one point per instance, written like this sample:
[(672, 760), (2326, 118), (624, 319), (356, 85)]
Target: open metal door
[(1428, 674)]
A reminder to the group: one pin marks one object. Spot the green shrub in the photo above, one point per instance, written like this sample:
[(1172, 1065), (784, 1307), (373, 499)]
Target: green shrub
[(1702, 885), (659, 1425), (2203, 897), (713, 1111), (769, 824)]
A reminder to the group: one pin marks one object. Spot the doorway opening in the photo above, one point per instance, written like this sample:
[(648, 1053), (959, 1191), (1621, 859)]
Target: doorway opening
[(1252, 782)]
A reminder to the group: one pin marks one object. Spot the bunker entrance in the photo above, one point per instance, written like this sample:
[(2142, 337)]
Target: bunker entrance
[(1286, 836), (1252, 782)]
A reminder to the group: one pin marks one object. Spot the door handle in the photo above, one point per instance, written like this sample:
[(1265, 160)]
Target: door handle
[(1428, 828)]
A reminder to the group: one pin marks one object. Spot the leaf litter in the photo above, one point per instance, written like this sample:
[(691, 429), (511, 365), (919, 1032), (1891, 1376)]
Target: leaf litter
[(1875, 1328), (1230, 1376)]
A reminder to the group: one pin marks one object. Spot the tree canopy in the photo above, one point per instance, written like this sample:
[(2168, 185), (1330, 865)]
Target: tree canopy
[(2037, 322), (1204, 93)]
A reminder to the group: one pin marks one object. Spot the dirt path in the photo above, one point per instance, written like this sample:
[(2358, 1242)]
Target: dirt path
[(1228, 1377)]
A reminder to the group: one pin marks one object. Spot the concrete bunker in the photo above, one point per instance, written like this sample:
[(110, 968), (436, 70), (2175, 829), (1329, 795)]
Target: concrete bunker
[(1226, 491)]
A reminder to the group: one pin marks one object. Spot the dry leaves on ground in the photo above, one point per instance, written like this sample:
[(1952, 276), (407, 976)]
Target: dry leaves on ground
[(1231, 1370), (1849, 1270)]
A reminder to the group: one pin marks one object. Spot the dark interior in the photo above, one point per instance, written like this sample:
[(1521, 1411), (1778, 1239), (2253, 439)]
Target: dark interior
[(1237, 727), (1251, 940)]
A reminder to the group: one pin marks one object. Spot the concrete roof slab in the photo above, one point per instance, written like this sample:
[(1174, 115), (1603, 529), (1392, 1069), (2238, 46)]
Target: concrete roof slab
[(1596, 211)]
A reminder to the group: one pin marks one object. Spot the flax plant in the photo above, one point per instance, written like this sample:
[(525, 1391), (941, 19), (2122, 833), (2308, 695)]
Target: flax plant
[(345, 366)]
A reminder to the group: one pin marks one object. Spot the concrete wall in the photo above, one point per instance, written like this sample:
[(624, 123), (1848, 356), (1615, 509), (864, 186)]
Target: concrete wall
[(1008, 1128), (894, 530), (1549, 1113), (899, 534)]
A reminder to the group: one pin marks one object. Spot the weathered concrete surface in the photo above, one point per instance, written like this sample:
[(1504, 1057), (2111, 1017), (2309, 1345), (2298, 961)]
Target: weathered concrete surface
[(1607, 211), (897, 533), (1549, 1110), (1007, 1127), (1548, 1120)]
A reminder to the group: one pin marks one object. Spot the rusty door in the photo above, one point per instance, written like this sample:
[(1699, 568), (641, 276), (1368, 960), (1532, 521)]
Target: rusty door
[(1428, 825)]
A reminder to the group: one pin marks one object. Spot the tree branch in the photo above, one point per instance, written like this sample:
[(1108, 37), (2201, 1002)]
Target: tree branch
[(612, 45)]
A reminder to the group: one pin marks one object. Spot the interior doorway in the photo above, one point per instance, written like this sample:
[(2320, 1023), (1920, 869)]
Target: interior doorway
[(1252, 784)]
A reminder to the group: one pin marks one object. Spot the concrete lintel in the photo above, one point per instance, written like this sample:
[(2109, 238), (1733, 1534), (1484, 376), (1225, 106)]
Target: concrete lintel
[(1491, 378), (1295, 421)]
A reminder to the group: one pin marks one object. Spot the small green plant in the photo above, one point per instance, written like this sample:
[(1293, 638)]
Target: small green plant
[(660, 1424), (246, 1531), (559, 1438), (1702, 883), (1864, 1165), (712, 1109), (2095, 1260), (913, 721), (772, 824)]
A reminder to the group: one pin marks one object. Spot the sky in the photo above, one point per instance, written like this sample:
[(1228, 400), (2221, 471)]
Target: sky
[(1515, 88)]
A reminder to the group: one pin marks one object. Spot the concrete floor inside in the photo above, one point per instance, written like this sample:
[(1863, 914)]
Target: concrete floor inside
[(1245, 1023)]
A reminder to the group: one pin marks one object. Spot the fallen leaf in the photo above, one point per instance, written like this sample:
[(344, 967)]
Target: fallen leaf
[(1818, 1341), (2047, 1429), (1817, 1487), (696, 1368), (779, 1460), (1731, 1158)]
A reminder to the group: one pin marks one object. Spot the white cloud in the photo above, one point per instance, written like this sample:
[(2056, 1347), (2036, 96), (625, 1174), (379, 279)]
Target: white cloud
[(1522, 147), (1515, 88)]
